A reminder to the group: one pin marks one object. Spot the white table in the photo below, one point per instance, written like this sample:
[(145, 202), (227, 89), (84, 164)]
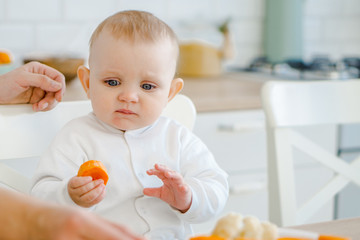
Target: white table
[(349, 227)]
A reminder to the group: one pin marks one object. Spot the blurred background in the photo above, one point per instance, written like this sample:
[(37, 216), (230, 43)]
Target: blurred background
[(329, 27)]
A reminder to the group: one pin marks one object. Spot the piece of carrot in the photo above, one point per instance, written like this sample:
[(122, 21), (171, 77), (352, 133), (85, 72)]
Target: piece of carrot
[(293, 238), (242, 238), (212, 237), (95, 169), (328, 237)]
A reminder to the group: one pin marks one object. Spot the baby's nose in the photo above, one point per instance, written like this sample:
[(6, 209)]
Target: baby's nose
[(129, 95)]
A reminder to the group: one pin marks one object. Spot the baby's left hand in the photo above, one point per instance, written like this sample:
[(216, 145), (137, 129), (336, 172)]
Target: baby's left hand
[(174, 191)]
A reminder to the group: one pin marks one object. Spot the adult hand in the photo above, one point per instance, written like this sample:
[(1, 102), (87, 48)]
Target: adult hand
[(64, 223), (24, 217), (33, 83)]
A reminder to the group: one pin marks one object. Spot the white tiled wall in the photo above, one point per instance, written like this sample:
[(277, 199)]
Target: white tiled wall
[(332, 27), (64, 26)]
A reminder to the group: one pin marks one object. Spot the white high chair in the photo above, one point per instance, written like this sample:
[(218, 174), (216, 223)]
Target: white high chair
[(25, 134), (292, 104)]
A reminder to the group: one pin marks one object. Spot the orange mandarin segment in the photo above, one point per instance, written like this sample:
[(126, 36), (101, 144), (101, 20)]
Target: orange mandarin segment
[(4, 58), (95, 169)]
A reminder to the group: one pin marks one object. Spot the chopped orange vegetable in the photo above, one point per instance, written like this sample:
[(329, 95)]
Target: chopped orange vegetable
[(95, 169), (4, 58), (212, 237), (293, 238), (241, 238), (327, 237)]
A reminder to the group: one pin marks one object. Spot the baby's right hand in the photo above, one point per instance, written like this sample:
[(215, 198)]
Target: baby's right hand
[(85, 192)]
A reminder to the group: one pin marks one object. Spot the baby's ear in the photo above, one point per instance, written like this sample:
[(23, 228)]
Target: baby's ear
[(84, 76), (176, 86)]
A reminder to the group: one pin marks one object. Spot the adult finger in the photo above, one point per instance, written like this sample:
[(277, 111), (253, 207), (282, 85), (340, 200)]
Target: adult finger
[(36, 99), (42, 69), (40, 81), (47, 103), (37, 95), (123, 232), (53, 74), (92, 227)]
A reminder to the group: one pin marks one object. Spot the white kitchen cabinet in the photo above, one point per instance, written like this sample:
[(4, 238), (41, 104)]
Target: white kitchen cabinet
[(238, 142), (236, 138)]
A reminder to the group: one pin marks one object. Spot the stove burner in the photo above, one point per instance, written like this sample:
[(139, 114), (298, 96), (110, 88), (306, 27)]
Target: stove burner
[(320, 68)]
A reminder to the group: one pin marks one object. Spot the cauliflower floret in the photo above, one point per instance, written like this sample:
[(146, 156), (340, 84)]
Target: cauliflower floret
[(270, 231), (228, 226), (252, 228)]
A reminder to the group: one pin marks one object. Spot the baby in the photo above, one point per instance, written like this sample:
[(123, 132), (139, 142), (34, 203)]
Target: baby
[(162, 178)]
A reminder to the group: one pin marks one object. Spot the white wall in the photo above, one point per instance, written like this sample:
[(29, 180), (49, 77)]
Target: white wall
[(65, 26), (332, 27)]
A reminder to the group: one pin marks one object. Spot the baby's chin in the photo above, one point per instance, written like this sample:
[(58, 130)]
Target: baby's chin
[(124, 124), (129, 127)]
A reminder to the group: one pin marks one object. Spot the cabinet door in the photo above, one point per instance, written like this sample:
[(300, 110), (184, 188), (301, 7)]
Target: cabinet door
[(237, 139)]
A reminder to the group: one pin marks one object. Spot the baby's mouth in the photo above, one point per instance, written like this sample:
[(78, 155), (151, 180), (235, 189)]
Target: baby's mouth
[(125, 111)]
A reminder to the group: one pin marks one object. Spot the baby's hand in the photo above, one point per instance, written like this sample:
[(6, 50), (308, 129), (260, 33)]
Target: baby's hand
[(85, 192), (174, 191)]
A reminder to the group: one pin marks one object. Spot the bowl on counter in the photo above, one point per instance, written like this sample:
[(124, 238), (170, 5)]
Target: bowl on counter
[(66, 65), (4, 68), (6, 61)]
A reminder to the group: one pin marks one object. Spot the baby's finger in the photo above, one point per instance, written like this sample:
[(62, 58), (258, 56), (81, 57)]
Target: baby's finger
[(174, 177), (76, 182), (152, 192), (94, 196), (161, 167), (157, 173), (101, 195), (90, 186)]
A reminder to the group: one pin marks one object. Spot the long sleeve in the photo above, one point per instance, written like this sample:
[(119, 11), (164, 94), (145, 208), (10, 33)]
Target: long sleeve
[(57, 165), (207, 180)]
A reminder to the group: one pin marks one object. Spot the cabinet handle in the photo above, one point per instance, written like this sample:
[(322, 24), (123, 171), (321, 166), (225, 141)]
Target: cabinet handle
[(241, 126), (248, 188)]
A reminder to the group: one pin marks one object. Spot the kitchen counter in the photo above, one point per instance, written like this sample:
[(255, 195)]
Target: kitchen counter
[(229, 91)]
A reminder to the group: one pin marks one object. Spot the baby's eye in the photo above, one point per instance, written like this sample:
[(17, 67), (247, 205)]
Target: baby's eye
[(112, 82), (147, 86)]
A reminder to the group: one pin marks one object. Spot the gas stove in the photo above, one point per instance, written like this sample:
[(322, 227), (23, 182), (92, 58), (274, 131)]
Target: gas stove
[(319, 68)]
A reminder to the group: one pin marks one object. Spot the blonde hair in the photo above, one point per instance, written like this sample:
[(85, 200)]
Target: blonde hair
[(135, 25)]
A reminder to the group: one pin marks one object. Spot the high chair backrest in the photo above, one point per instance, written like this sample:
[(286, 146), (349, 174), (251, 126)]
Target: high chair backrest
[(24, 134), (291, 104), (182, 109)]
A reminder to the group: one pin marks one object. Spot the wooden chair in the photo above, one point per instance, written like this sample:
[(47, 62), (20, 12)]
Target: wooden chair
[(288, 105), (25, 134)]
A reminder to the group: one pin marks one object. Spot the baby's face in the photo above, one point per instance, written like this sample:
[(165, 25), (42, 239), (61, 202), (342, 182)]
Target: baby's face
[(130, 82)]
